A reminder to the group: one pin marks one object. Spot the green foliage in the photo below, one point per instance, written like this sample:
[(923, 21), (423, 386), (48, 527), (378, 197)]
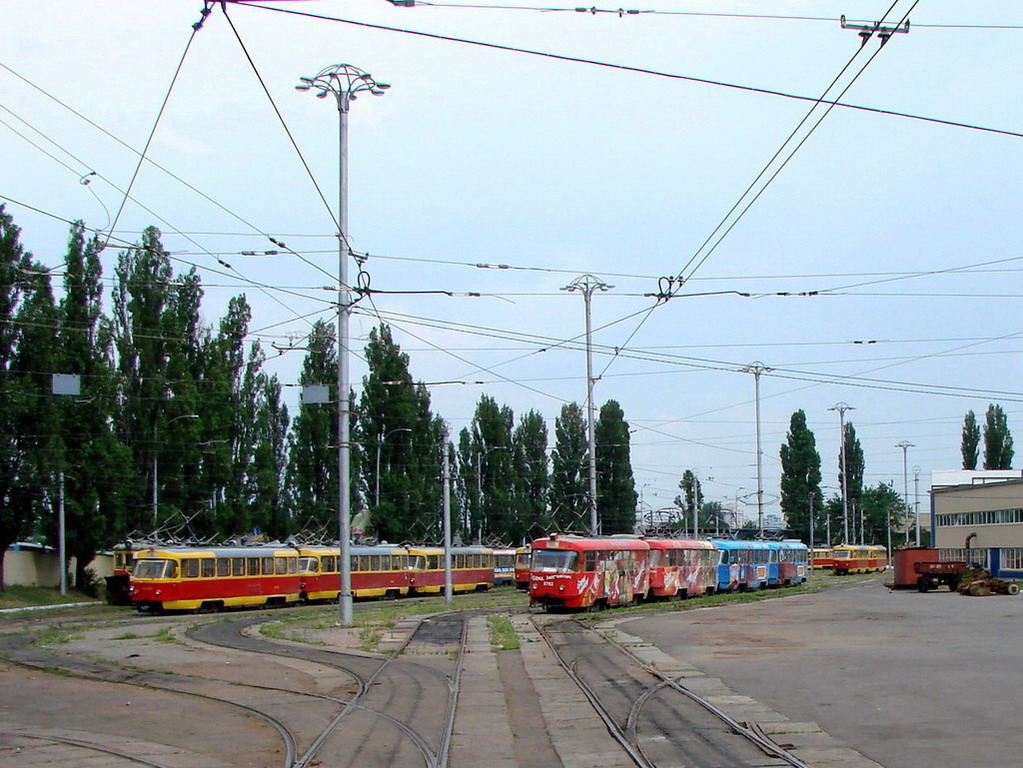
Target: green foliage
[(312, 484), (28, 320), (883, 505), (400, 435), (616, 488), (852, 479), (998, 450), (569, 496), (970, 447), (800, 479), (533, 478)]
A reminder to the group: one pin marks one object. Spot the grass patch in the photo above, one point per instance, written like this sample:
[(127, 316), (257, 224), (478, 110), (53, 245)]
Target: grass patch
[(27, 597), (57, 635), (503, 636)]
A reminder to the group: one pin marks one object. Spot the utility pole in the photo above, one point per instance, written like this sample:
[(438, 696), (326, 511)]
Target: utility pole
[(916, 505), (757, 368), (587, 284), (842, 408), (446, 500), (905, 445), (343, 82)]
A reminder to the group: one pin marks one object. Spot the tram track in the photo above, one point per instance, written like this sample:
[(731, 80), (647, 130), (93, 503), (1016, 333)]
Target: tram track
[(655, 718), (442, 630), (92, 747), (412, 688)]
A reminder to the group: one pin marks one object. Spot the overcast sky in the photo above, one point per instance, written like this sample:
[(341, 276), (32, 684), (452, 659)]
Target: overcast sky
[(505, 174)]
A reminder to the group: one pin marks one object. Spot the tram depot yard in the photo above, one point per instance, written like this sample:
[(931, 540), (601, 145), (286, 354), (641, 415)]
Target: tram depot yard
[(853, 676)]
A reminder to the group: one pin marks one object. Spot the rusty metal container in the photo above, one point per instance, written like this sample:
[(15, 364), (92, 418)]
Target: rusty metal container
[(905, 559)]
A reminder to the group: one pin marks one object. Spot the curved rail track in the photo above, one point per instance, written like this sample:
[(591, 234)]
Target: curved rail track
[(656, 719), (413, 699)]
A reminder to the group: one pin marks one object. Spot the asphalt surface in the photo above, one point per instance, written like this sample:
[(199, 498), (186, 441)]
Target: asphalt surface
[(909, 680)]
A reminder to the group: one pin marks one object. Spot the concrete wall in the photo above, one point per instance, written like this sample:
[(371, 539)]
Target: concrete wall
[(34, 568)]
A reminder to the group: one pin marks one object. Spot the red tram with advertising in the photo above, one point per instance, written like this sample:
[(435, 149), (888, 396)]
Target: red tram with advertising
[(569, 571), (210, 579), (682, 568)]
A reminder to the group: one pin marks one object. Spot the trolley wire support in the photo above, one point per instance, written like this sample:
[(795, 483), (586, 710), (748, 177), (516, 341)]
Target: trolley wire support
[(869, 29)]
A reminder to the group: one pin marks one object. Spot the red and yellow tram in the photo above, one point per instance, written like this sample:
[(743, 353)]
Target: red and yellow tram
[(579, 572), (859, 558), (682, 567), (522, 567), (472, 569), (822, 558), (377, 571), (197, 578)]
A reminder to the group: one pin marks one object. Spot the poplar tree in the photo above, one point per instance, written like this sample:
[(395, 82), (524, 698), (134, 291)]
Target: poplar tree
[(95, 464), (970, 447), (801, 478), (616, 488), (395, 419), (851, 479), (312, 483), (569, 498), (27, 321), (532, 478), (997, 439)]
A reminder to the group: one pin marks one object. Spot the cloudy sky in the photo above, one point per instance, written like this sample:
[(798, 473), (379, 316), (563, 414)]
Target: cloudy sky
[(866, 254)]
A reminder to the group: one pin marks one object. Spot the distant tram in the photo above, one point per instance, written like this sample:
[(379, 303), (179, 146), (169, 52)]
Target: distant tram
[(504, 566), (522, 567), (859, 558)]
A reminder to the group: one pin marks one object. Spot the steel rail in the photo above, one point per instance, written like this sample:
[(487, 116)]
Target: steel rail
[(753, 733), (614, 729), (81, 744)]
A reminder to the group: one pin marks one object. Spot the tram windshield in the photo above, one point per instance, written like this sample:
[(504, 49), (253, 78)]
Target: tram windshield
[(308, 565), (155, 569), (551, 560)]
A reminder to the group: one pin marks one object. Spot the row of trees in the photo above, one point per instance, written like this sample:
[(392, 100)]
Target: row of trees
[(179, 428), (997, 440), (853, 514)]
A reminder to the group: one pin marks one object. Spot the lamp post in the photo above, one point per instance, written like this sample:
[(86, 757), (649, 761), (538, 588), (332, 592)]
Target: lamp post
[(156, 452), (343, 81), (587, 284), (380, 442), (842, 408)]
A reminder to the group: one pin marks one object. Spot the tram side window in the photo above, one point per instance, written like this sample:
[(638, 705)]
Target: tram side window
[(292, 565), (268, 566), (252, 566), (190, 569), (281, 565), (223, 566), (237, 566), (433, 562), (328, 564), (208, 567)]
